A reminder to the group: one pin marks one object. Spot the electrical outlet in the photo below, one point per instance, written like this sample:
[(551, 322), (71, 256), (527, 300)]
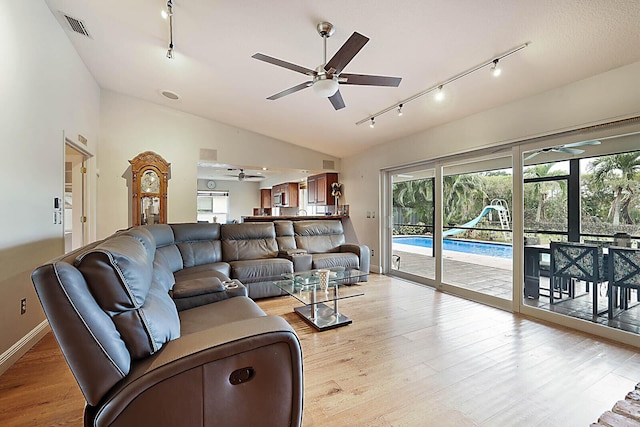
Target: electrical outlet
[(373, 252), (23, 306)]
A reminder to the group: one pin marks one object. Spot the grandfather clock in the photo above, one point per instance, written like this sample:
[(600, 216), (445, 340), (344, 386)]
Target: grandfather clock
[(149, 182)]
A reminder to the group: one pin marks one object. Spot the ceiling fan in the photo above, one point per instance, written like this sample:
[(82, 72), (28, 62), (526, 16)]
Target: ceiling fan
[(566, 148), (326, 78), (242, 176)]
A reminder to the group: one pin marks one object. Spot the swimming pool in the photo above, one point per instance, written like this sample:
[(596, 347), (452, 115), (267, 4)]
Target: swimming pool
[(501, 250)]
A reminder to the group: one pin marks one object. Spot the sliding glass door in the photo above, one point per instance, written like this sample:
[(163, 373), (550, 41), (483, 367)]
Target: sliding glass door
[(477, 227), (413, 214)]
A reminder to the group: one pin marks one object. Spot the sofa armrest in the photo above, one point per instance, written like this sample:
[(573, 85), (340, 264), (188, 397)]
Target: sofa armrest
[(242, 373), (192, 293), (302, 261), (363, 252), (289, 252)]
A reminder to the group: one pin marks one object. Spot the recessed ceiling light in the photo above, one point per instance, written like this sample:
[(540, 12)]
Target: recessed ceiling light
[(169, 94)]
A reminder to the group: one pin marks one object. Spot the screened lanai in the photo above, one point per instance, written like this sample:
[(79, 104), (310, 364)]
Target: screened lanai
[(453, 223)]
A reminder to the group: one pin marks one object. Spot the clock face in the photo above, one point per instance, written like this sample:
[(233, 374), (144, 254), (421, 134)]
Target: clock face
[(150, 182), (211, 185)]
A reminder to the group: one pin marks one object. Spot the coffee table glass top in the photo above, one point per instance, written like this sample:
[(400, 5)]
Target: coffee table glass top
[(303, 285)]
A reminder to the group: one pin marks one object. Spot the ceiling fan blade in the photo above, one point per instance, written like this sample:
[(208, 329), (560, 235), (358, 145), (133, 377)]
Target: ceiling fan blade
[(336, 100), (363, 79), (290, 90), (532, 155), (578, 144), (284, 64), (346, 53), (568, 150)]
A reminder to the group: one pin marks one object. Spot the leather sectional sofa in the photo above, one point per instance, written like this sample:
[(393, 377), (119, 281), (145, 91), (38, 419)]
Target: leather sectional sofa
[(158, 329)]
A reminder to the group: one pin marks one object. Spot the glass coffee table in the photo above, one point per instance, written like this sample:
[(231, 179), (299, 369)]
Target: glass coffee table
[(320, 308)]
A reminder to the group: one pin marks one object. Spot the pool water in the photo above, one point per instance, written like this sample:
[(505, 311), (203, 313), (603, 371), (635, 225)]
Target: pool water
[(501, 250)]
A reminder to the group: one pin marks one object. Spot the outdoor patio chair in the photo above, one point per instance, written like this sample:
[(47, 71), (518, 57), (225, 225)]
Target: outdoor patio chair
[(571, 262), (624, 273), (395, 262)]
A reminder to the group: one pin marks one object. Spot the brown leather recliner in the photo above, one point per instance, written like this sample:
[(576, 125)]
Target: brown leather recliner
[(138, 361)]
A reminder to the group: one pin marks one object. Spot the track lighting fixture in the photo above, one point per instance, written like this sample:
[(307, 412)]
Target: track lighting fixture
[(495, 69), (438, 89), (373, 123), (169, 14)]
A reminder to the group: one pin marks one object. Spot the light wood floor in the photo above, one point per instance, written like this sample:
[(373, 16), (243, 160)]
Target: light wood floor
[(412, 357)]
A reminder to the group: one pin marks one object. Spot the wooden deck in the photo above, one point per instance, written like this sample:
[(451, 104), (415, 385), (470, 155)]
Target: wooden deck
[(479, 274)]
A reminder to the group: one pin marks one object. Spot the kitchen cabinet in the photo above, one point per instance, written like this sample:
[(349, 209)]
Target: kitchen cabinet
[(319, 189), (265, 198), (285, 195)]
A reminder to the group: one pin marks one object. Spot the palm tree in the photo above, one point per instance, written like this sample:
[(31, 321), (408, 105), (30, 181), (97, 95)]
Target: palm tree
[(417, 196), (619, 171), (463, 195), (539, 171)]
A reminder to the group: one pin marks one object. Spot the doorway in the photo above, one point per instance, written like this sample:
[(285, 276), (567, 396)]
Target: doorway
[(74, 203)]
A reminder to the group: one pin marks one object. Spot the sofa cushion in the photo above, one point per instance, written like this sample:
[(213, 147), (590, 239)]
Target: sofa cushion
[(285, 235), (221, 270), (330, 260), (119, 272), (194, 287), (225, 312), (319, 236), (206, 290), (199, 253), (192, 232), (162, 273), (260, 270), (198, 243), (162, 234), (249, 241)]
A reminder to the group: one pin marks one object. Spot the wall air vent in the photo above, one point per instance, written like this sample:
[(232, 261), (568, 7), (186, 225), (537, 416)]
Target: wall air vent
[(208, 154), (328, 164), (76, 25)]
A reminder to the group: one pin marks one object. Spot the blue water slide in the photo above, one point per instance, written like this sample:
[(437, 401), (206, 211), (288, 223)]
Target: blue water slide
[(473, 222)]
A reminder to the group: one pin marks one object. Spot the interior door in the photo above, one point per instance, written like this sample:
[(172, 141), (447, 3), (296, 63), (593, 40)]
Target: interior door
[(75, 217)]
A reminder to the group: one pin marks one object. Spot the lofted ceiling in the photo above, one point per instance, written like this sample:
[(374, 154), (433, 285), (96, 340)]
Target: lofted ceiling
[(423, 41)]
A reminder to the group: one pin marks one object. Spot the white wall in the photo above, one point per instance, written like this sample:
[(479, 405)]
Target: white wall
[(46, 90), (605, 97), (129, 126)]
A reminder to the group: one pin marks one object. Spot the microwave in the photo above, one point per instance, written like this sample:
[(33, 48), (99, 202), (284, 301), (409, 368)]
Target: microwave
[(279, 199)]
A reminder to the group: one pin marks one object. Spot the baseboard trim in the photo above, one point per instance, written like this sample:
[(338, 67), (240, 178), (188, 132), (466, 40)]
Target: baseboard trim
[(18, 350)]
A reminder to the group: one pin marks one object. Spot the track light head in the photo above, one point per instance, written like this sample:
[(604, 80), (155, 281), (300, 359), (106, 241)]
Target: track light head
[(439, 96), (373, 123), (399, 110), (169, 12), (170, 51), (495, 69)]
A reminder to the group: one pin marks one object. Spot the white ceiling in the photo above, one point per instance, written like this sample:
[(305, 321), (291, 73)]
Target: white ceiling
[(423, 41)]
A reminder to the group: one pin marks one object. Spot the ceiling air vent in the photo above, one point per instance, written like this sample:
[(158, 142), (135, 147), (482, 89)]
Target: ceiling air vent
[(76, 25), (328, 164)]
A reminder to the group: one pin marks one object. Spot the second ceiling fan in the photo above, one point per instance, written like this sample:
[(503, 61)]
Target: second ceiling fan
[(326, 78)]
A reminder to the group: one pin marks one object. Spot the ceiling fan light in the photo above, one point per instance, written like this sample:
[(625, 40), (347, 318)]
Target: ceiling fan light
[(325, 88)]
